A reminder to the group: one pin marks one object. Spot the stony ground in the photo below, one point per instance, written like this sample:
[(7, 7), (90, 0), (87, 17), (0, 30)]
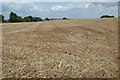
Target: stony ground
[(86, 48)]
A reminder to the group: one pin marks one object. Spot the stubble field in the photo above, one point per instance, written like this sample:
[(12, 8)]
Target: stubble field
[(83, 48)]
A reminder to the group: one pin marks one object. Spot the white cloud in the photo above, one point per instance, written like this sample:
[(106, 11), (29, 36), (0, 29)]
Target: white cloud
[(87, 5), (57, 8), (70, 6), (84, 5), (36, 8), (21, 6), (71, 9)]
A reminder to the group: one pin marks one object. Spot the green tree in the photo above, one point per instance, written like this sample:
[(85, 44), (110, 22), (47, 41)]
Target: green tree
[(37, 19), (64, 18), (107, 16), (47, 19), (19, 19), (28, 19), (1, 18), (15, 18)]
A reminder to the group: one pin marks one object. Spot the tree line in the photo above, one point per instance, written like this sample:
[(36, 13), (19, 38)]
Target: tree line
[(107, 16), (15, 18)]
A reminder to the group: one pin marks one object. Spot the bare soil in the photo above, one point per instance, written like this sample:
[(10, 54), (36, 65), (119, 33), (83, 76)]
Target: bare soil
[(83, 48)]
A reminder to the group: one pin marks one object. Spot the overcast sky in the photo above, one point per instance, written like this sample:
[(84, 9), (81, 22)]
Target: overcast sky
[(86, 9)]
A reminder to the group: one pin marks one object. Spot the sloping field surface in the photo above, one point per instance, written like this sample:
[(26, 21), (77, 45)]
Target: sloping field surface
[(86, 48)]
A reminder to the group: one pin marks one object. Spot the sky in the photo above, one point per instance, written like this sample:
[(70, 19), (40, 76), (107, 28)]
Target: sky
[(70, 9)]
